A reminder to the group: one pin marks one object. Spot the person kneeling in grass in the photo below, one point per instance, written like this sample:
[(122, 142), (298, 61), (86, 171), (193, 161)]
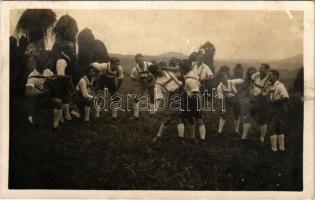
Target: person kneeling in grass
[(84, 96), (37, 92)]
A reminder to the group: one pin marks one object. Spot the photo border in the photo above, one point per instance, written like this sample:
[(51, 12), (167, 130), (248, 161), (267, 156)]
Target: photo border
[(308, 135)]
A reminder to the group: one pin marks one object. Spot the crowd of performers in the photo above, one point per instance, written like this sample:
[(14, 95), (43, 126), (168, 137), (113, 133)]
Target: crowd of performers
[(63, 80)]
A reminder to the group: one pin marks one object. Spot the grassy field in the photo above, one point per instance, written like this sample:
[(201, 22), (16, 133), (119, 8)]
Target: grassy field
[(119, 155)]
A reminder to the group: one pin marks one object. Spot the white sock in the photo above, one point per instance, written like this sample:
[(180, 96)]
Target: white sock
[(237, 125), (87, 113), (273, 141), (221, 125), (56, 116), (75, 114), (67, 111), (161, 130), (246, 127), (136, 109), (30, 119), (202, 131), (281, 142), (180, 130), (152, 109), (263, 131), (97, 113), (114, 110)]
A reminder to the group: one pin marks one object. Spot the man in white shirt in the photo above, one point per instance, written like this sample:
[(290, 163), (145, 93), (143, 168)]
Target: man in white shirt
[(84, 96), (145, 84), (192, 102), (228, 94), (278, 99), (110, 76), (37, 91), (206, 76), (258, 100), (166, 87)]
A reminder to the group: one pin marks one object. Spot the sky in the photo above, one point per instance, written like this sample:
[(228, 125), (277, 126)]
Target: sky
[(262, 35)]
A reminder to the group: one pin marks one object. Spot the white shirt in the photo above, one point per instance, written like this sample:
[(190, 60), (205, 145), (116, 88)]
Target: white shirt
[(137, 71), (203, 71), (259, 85), (230, 89), (192, 83), (85, 87), (105, 68), (37, 82), (278, 91), (166, 84)]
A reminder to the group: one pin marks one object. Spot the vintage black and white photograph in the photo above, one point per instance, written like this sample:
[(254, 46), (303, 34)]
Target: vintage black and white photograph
[(156, 99)]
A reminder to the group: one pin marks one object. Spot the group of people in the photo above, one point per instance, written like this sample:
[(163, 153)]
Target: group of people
[(264, 99), (68, 83)]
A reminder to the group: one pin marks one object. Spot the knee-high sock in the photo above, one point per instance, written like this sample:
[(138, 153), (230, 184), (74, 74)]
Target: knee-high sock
[(30, 119), (97, 113), (66, 109), (114, 110), (180, 130), (192, 131), (75, 114), (246, 127), (202, 131), (57, 116), (221, 125), (263, 131), (281, 142), (273, 141), (152, 109), (136, 109), (87, 113), (237, 125), (162, 129)]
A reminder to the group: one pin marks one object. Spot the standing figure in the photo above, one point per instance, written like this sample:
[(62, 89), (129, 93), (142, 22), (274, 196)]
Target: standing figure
[(228, 94), (192, 106), (64, 51), (145, 84), (258, 99), (245, 96), (110, 76), (278, 100), (167, 87)]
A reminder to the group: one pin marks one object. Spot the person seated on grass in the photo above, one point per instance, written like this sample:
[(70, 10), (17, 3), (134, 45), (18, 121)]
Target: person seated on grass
[(228, 96), (278, 99), (167, 86), (84, 96), (111, 77), (37, 92)]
